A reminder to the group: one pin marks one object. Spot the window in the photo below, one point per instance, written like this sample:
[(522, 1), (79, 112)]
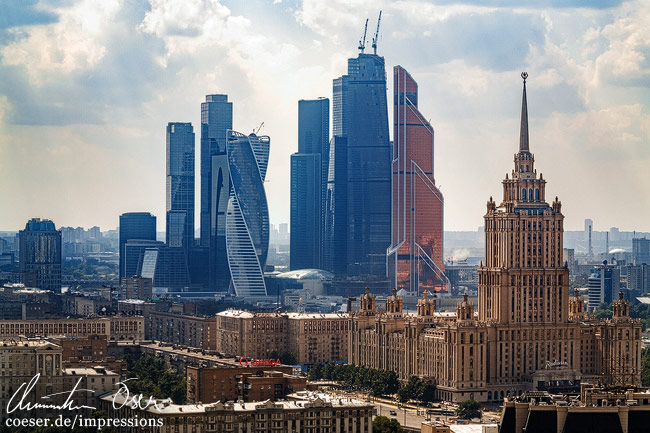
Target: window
[(523, 194)]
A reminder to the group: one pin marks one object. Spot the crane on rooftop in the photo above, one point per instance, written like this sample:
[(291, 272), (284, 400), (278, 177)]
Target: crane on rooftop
[(375, 39), (362, 42), (257, 131)]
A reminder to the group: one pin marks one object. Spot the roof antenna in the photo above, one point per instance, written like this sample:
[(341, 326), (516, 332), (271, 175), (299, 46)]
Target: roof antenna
[(362, 42), (375, 39)]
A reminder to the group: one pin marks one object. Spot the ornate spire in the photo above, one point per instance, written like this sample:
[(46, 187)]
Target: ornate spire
[(523, 130)]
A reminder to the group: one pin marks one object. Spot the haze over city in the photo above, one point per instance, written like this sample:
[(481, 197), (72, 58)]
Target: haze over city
[(88, 87)]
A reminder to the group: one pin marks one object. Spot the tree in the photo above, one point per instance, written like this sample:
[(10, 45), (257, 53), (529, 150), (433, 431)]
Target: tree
[(383, 424), (315, 372), (150, 377), (469, 409), (645, 367)]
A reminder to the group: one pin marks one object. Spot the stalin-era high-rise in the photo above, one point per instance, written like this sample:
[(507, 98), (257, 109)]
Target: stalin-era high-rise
[(529, 332)]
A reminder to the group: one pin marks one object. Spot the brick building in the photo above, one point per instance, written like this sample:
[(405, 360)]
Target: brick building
[(232, 383)]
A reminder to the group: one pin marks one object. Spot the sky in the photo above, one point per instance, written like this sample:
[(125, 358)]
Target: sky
[(87, 88)]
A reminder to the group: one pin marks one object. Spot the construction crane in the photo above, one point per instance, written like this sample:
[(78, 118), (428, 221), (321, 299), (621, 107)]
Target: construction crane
[(362, 42), (256, 131), (375, 39)]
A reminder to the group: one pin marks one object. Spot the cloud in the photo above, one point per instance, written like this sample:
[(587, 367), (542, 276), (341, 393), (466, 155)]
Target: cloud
[(87, 89)]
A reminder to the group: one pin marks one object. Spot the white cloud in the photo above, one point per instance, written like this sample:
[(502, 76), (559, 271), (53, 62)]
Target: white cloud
[(71, 44)]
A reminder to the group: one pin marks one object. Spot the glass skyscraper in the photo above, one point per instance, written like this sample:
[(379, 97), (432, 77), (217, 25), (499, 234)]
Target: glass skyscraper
[(40, 255), (180, 186), (135, 226), (247, 219), (415, 257), (216, 119), (309, 168), (360, 114)]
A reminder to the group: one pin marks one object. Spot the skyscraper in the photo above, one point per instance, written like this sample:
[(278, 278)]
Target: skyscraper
[(40, 255), (216, 119), (135, 226), (415, 261), (641, 251), (180, 185), (360, 115), (309, 168), (247, 219)]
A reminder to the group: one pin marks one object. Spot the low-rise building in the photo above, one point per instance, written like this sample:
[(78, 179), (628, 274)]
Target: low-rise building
[(113, 327), (247, 383), (304, 412)]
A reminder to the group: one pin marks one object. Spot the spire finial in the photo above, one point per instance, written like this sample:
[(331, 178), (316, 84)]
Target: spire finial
[(523, 130)]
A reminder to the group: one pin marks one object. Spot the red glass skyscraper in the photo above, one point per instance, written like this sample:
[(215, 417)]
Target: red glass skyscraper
[(415, 257)]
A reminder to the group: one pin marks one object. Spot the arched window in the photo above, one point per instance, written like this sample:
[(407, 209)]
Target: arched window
[(522, 168), (523, 193), (536, 194), (530, 194), (527, 168)]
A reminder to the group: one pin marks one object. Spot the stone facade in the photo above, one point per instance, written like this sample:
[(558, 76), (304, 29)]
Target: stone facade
[(526, 323), (114, 328), (313, 338), (303, 412)]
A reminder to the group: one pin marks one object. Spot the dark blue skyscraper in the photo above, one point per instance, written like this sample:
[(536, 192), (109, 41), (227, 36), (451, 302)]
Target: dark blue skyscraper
[(216, 119), (40, 255), (180, 186), (309, 168), (360, 114), (136, 226)]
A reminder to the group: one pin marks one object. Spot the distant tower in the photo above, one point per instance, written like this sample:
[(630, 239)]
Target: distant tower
[(588, 229), (40, 255), (415, 261), (180, 186), (309, 184), (247, 219), (135, 226)]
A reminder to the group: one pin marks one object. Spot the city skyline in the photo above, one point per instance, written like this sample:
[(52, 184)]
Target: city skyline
[(105, 132)]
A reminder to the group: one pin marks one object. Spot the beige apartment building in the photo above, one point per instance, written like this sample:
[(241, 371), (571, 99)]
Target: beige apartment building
[(303, 412), (184, 330), (528, 333), (114, 328), (314, 338), (22, 359)]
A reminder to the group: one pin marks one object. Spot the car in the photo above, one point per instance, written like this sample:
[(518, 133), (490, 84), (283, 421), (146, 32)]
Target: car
[(393, 413)]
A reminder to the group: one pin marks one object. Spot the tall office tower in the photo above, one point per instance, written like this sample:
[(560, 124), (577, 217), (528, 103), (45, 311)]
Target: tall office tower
[(247, 219), (135, 226), (589, 225), (309, 184), (180, 186), (641, 251), (604, 285), (415, 261), (335, 251), (40, 255), (216, 119), (360, 114)]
